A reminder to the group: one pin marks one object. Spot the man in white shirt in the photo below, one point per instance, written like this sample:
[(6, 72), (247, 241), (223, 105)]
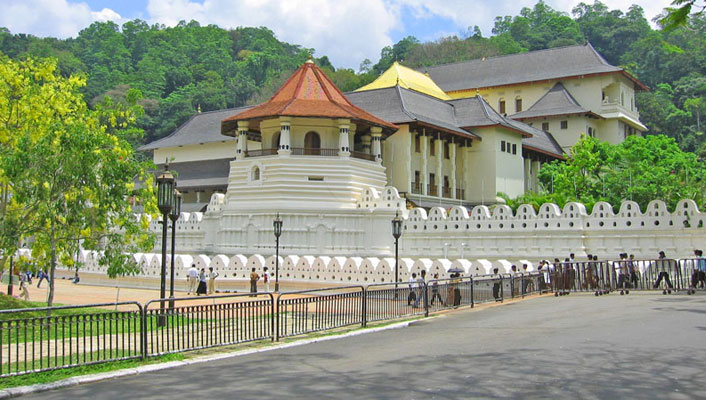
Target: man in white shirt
[(212, 275), (412, 286), (192, 278)]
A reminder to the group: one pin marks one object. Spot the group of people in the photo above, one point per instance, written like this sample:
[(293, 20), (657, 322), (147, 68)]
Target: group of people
[(417, 292), (201, 282), (590, 274)]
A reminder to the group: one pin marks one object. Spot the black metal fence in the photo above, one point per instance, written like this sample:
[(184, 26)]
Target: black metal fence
[(308, 311), (213, 321), (41, 339)]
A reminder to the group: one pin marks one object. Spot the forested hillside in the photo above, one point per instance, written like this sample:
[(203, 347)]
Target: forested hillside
[(183, 68)]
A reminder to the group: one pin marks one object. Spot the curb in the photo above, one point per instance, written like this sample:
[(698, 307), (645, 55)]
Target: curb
[(77, 380)]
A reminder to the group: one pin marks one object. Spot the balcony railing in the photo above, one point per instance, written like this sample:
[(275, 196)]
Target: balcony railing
[(416, 187), (302, 151), (446, 192), (608, 107), (260, 153), (432, 190), (362, 156)]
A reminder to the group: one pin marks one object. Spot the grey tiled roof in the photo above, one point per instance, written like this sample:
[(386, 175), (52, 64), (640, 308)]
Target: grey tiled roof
[(206, 173), (538, 65), (543, 142), (400, 105), (557, 101), (200, 128)]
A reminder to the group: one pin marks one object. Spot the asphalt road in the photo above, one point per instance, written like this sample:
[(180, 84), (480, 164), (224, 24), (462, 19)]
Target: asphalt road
[(578, 346)]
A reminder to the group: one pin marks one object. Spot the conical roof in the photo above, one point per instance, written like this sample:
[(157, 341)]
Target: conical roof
[(399, 75), (307, 93)]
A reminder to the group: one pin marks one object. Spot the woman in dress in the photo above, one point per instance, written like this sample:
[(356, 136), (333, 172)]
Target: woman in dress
[(202, 289)]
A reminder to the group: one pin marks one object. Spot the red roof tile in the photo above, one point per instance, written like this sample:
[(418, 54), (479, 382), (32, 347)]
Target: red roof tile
[(307, 93)]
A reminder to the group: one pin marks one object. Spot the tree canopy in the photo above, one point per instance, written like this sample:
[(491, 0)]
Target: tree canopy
[(641, 169), (67, 172)]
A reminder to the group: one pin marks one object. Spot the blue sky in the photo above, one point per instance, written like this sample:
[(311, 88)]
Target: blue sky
[(347, 31)]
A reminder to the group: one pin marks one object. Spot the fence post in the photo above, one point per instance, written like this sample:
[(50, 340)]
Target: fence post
[(472, 294), (502, 289), (143, 330), (426, 299), (272, 317), (365, 307), (276, 333)]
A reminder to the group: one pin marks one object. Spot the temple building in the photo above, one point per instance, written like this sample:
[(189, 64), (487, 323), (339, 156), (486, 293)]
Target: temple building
[(454, 134)]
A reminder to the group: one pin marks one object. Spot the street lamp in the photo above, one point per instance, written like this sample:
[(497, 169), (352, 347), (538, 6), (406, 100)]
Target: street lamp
[(165, 202), (397, 232), (277, 223), (174, 216)]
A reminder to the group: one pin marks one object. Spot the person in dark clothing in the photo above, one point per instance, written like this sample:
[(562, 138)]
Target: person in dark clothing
[(662, 263), (496, 285), (203, 288)]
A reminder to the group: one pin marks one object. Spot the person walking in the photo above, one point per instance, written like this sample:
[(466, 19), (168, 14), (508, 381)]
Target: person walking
[(634, 272), (435, 291), (421, 288), (203, 287), (212, 275), (699, 274), (192, 279), (24, 282), (42, 276), (254, 277), (497, 282), (412, 297), (663, 264)]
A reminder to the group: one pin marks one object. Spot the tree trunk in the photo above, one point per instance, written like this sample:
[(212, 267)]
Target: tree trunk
[(52, 267)]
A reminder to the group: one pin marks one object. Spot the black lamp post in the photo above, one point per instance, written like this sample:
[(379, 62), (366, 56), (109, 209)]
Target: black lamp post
[(12, 271), (396, 233), (277, 223), (174, 216), (165, 202)]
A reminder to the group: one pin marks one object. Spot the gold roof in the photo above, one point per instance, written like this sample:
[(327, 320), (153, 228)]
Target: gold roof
[(407, 78)]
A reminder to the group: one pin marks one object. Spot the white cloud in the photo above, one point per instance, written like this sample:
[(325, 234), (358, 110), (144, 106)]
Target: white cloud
[(346, 31), (57, 18)]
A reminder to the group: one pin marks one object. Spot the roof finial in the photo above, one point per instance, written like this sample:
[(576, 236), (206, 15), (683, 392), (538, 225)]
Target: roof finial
[(309, 59)]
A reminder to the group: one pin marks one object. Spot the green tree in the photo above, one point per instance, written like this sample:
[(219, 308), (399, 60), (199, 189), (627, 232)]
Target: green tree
[(640, 169), (70, 172)]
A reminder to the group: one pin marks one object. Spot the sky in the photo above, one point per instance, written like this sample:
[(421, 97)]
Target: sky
[(347, 31)]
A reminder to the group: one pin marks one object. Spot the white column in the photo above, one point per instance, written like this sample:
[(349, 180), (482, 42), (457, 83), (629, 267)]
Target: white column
[(439, 166), (377, 148), (425, 160), (452, 156), (242, 146), (467, 170), (344, 146), (536, 165), (285, 140), (528, 175)]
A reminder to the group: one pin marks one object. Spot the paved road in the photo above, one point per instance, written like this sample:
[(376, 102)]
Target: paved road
[(579, 346)]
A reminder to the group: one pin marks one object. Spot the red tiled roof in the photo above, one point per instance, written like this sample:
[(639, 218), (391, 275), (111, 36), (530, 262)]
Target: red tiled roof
[(307, 93)]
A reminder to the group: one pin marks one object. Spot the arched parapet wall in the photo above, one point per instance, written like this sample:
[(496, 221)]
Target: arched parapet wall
[(388, 199), (303, 268), (238, 267), (202, 261)]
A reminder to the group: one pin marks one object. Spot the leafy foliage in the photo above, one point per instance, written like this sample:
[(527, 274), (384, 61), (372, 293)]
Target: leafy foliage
[(640, 169), (67, 172)]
